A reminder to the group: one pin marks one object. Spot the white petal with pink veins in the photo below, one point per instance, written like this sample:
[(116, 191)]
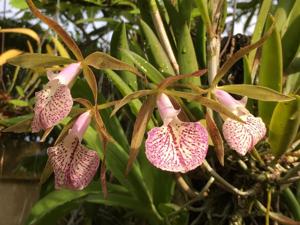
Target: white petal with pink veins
[(178, 147), (53, 103), (74, 165), (243, 137)]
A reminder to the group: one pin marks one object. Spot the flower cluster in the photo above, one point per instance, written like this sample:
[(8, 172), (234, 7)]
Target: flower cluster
[(73, 164), (179, 146)]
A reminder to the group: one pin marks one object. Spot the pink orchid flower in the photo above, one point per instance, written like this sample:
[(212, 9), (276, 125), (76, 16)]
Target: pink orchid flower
[(241, 137), (54, 102), (73, 164), (176, 146)]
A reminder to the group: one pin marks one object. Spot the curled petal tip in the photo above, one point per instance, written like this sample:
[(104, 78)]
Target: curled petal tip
[(178, 147)]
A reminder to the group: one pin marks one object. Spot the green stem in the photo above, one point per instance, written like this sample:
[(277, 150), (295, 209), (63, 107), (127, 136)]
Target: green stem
[(292, 203)]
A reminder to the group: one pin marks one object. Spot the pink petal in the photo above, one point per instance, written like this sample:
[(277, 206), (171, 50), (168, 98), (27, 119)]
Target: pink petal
[(166, 109), (53, 103), (74, 165), (66, 75), (178, 147), (243, 137), (81, 124)]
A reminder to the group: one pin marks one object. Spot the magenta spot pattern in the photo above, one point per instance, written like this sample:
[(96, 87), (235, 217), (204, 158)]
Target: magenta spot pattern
[(53, 103), (177, 147), (243, 137), (74, 165)]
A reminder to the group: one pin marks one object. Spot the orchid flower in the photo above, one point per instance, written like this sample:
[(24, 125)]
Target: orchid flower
[(73, 164), (176, 146), (241, 137), (54, 102)]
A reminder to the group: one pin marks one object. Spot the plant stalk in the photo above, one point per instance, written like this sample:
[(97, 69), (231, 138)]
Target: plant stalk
[(162, 34)]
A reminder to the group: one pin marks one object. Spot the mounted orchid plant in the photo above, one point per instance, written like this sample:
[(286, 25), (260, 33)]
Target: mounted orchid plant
[(177, 129)]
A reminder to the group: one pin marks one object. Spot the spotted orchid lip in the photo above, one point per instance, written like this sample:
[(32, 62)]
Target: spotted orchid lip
[(176, 146), (242, 137), (74, 165), (54, 102)]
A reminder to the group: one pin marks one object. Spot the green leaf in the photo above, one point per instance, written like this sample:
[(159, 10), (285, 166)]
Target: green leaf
[(292, 84), (203, 8), (18, 4), (35, 60), (149, 70), (119, 41), (101, 60), (270, 76), (256, 92), (291, 201), (284, 126), (57, 200), (179, 217), (116, 161), (18, 102), (186, 56), (124, 89), (200, 43), (281, 14), (260, 23), (155, 52), (291, 38), (14, 120)]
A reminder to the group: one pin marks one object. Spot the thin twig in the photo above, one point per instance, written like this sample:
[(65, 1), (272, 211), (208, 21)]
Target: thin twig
[(184, 186), (225, 184)]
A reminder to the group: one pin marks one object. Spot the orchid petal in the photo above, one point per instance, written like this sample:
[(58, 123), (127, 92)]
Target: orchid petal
[(66, 75), (242, 137), (177, 147), (74, 165), (53, 103), (166, 109)]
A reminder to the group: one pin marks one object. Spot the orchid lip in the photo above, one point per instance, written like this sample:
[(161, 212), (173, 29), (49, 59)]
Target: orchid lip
[(176, 146)]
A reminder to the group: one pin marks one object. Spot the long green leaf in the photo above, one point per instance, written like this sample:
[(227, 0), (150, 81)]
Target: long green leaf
[(270, 76), (291, 38), (256, 92), (119, 41), (35, 60), (155, 51), (124, 89), (284, 126), (186, 55), (261, 20), (149, 70), (62, 198)]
